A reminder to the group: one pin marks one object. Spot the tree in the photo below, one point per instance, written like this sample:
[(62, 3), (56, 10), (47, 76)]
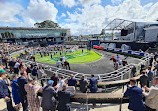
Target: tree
[(47, 24)]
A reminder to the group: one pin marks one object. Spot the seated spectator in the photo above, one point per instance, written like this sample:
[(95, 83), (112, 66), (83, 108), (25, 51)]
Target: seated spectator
[(150, 75), (93, 84), (64, 99), (15, 93), (48, 100), (72, 81), (83, 84), (55, 78), (135, 97), (151, 96), (143, 79), (32, 98), (5, 92)]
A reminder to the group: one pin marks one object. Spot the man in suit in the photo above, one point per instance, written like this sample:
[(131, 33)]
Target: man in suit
[(135, 97), (151, 96), (22, 80), (93, 84), (5, 92), (143, 79), (72, 81), (48, 100), (83, 85), (64, 99)]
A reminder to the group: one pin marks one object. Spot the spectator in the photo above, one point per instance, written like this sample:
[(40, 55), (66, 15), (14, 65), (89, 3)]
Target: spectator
[(41, 74), (151, 96), (5, 92), (135, 97), (151, 60), (64, 99), (29, 70), (150, 77), (116, 65), (23, 68), (48, 100), (55, 78), (60, 83), (11, 65), (72, 81), (83, 84), (143, 79), (15, 93), (34, 72), (93, 84), (33, 100), (16, 67), (22, 80), (156, 68), (133, 71)]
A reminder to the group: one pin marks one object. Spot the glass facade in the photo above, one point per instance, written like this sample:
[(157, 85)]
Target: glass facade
[(32, 33)]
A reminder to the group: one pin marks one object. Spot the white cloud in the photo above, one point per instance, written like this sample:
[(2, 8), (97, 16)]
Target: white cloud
[(68, 3), (116, 1), (8, 12), (63, 15), (92, 18), (89, 2), (40, 10)]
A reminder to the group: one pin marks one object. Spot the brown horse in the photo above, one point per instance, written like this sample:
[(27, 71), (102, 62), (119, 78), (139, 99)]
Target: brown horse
[(66, 64), (33, 57)]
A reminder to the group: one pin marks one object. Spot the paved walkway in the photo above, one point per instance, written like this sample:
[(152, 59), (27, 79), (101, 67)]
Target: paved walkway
[(101, 66)]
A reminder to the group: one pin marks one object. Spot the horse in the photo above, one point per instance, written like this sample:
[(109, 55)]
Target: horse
[(66, 63), (33, 57), (112, 58)]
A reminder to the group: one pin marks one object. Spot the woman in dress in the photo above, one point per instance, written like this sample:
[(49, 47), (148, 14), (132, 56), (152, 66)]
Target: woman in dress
[(33, 100), (15, 94)]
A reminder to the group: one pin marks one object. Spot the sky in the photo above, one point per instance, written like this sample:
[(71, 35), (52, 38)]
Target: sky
[(81, 16)]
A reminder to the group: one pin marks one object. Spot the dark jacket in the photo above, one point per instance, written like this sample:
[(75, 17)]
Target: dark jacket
[(150, 75), (34, 72), (83, 85), (21, 82), (4, 91), (143, 80), (135, 98), (55, 79), (93, 85), (48, 101), (64, 101), (72, 82)]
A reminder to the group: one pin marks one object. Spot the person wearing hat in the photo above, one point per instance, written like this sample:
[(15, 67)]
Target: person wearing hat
[(49, 94)]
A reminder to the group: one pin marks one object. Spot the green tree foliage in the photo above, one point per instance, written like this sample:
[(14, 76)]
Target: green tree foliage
[(47, 24)]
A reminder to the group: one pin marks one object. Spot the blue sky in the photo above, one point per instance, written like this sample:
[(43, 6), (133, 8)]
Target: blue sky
[(81, 16)]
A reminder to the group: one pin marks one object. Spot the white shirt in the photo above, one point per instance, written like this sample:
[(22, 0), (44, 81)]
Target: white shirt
[(16, 65)]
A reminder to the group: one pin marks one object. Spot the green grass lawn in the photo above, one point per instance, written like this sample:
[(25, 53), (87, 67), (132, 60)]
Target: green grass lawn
[(77, 57)]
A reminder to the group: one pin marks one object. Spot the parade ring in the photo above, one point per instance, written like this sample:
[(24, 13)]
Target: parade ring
[(76, 57)]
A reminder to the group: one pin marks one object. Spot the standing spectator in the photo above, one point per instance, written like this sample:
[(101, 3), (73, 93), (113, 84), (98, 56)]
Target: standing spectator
[(16, 67), (29, 70), (143, 79), (23, 68), (83, 84), (48, 100), (60, 83), (5, 92), (156, 68), (151, 96), (93, 84), (33, 100), (34, 72), (11, 65), (133, 71), (150, 77), (64, 99), (135, 97), (72, 81), (15, 93), (22, 80), (55, 78), (151, 60), (41, 74), (155, 56)]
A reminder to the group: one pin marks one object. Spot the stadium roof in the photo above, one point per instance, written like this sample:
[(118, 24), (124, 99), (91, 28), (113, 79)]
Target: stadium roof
[(119, 24)]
